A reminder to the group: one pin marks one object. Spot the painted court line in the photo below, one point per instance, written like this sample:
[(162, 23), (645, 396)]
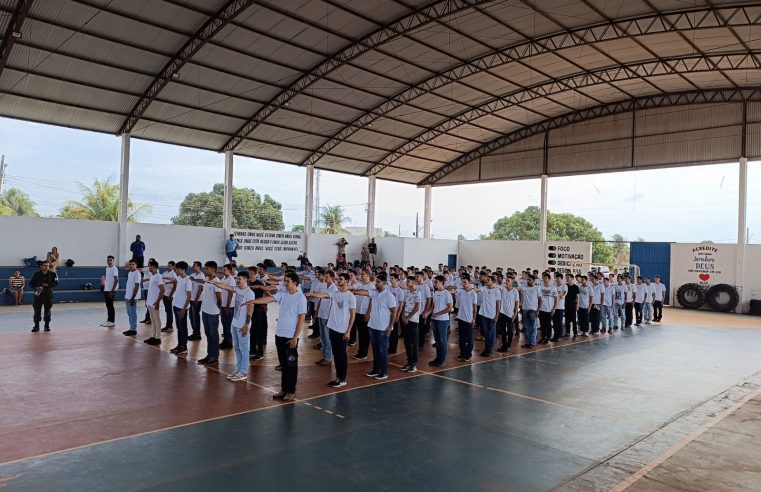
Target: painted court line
[(681, 444)]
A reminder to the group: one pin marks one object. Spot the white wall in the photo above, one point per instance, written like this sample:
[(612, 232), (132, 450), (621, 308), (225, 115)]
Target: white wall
[(323, 249), (431, 252), (86, 242), (569, 255), (391, 250), (173, 242)]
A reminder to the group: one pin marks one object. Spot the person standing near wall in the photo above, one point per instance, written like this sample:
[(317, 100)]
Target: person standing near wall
[(228, 308), (16, 285), (54, 259), (210, 314), (43, 282), (132, 294), (365, 257), (231, 248), (180, 304), (138, 251), (195, 301), (372, 248), (571, 306), (531, 297), (658, 297), (169, 277), (442, 306), (153, 301), (110, 284), (647, 304)]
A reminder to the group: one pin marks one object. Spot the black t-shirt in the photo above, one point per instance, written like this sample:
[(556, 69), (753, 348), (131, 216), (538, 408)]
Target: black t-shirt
[(372, 248), (571, 296)]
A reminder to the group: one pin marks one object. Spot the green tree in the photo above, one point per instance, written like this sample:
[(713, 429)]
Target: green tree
[(298, 228), (620, 249), (334, 219), (14, 202), (101, 202), (524, 226), (389, 234), (460, 237), (250, 211)]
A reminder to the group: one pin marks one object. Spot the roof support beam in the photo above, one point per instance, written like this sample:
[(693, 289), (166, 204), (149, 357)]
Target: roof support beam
[(706, 17), (212, 26), (13, 30), (395, 29), (661, 100), (639, 70)]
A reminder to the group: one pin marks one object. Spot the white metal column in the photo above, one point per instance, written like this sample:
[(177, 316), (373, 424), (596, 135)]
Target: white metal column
[(370, 207), (121, 254), (742, 231), (427, 213), (227, 217), (308, 208), (543, 211)]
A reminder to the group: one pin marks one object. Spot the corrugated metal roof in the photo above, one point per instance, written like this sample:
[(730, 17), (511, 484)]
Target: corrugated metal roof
[(427, 89)]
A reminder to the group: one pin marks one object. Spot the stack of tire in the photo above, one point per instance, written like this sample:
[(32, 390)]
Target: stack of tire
[(720, 297)]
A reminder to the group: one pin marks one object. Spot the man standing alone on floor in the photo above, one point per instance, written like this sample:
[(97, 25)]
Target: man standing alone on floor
[(110, 284), (138, 251), (658, 297), (132, 294), (373, 249), (43, 282), (231, 247)]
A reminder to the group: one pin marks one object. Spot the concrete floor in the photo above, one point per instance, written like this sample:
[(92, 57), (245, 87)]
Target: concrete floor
[(675, 406)]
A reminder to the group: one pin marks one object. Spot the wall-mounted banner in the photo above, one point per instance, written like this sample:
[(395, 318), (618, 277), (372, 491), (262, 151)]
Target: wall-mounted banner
[(256, 246), (706, 264), (568, 257)]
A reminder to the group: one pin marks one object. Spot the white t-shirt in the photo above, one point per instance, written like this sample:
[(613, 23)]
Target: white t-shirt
[(610, 294), (324, 311), (209, 299), (640, 293), (183, 287), (133, 278), (241, 296), (466, 299), (489, 298), (225, 294), (530, 298), (440, 300), (660, 291), (549, 297), (291, 306), (380, 316), (425, 293), (154, 289), (195, 286), (111, 272), (147, 279), (598, 291), (509, 298), (649, 292), (631, 289), (317, 288), (410, 299), (364, 301), (167, 277), (340, 311), (585, 296), (620, 293), (562, 292)]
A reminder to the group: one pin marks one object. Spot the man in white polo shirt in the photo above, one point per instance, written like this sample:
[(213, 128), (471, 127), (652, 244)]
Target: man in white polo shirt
[(658, 297), (132, 294), (380, 317), (153, 301), (195, 301), (180, 305), (110, 284)]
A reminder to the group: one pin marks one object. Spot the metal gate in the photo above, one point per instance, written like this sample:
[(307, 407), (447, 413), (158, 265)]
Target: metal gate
[(653, 259)]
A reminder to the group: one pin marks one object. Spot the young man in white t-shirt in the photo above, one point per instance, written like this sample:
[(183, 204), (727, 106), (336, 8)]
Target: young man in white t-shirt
[(110, 284), (558, 319), (132, 294), (153, 300), (425, 291), (639, 300), (629, 305), (195, 301), (467, 309), (547, 307), (442, 306), (491, 301), (380, 316), (241, 322), (509, 307), (659, 296), (606, 315), (290, 323), (169, 277), (210, 301), (531, 297), (180, 303), (411, 309), (598, 295), (619, 301), (328, 286), (647, 305), (397, 288), (228, 306), (585, 303)]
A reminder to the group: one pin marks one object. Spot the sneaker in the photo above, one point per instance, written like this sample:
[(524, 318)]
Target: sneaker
[(226, 345), (439, 364), (278, 367), (554, 340), (35, 329), (212, 362), (288, 397), (179, 350), (584, 334), (145, 321), (337, 383), (412, 369), (194, 337), (314, 335), (526, 345), (230, 377), (279, 395), (203, 361), (129, 333), (153, 341), (357, 357), (47, 328), (108, 324), (317, 347), (648, 323), (459, 359), (433, 362), (323, 362), (503, 349), (351, 344), (372, 374), (167, 329), (405, 367), (381, 377), (242, 376)]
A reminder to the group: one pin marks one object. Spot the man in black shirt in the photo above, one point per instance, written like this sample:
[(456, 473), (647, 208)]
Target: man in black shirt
[(372, 248), (571, 305), (43, 282)]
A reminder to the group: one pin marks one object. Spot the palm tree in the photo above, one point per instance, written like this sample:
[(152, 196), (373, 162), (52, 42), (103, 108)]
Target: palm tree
[(334, 219), (101, 202), (15, 202)]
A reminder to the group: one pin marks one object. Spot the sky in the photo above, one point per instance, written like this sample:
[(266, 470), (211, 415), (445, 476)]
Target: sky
[(689, 204)]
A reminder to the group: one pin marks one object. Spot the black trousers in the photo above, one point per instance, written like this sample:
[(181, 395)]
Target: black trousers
[(338, 345), (258, 330), (168, 310), (545, 324), (423, 326), (411, 343), (570, 321), (465, 338), (638, 312), (594, 319), (583, 320), (39, 303), (507, 333), (393, 339), (109, 306), (558, 323), (362, 334), (288, 374), (628, 313), (657, 310)]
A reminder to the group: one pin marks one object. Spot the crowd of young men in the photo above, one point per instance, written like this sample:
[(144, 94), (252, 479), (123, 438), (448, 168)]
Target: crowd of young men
[(374, 308)]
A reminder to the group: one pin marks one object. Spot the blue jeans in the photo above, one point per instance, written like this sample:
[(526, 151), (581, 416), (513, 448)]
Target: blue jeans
[(647, 311), (605, 313), (379, 343), (490, 333), (618, 312), (440, 328), (211, 330), (240, 345), (182, 327), (327, 352), (529, 326), (195, 317), (132, 315)]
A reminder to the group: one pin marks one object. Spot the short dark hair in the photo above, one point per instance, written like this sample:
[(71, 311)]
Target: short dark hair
[(243, 273), (440, 278), (382, 277), (182, 265), (170, 262), (331, 273), (153, 263), (292, 277), (345, 276), (132, 261), (197, 263), (228, 266), (110, 257), (211, 264)]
